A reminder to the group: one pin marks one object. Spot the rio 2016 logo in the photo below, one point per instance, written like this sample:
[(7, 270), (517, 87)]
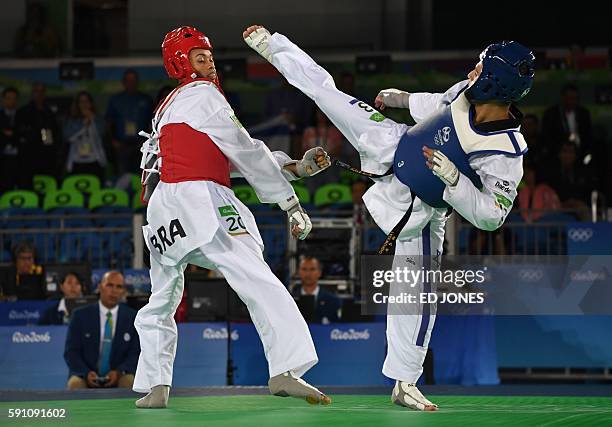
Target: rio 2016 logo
[(442, 136)]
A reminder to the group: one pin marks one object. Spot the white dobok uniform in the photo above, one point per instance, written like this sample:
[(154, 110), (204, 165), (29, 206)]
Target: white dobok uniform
[(193, 217), (376, 139)]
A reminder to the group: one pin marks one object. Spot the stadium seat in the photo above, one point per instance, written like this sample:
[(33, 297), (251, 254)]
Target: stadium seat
[(5, 256), (302, 193), (111, 201), (135, 183), (43, 184), (246, 195), (514, 217), (373, 238), (111, 247), (73, 245), (557, 217), (63, 199), (20, 210), (21, 204), (137, 205), (66, 203), (83, 183), (108, 198), (338, 195), (275, 243), (553, 232), (19, 199)]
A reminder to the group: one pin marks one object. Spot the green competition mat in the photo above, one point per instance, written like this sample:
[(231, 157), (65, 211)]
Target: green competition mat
[(346, 410)]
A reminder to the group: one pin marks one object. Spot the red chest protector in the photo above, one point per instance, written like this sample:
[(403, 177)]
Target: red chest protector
[(189, 155)]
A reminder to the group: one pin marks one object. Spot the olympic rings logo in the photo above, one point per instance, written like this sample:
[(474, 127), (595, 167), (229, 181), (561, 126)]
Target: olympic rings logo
[(528, 275), (580, 234)]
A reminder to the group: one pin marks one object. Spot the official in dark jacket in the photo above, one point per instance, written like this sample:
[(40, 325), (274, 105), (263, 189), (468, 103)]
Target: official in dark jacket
[(102, 346), (326, 305), (568, 121)]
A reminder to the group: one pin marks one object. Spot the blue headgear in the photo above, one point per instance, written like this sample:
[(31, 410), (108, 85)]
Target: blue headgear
[(507, 73)]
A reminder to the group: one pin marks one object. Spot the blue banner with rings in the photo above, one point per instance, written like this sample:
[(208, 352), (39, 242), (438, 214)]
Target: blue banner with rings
[(584, 238)]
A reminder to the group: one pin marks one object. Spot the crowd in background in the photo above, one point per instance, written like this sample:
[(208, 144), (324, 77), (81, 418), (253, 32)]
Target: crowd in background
[(564, 163)]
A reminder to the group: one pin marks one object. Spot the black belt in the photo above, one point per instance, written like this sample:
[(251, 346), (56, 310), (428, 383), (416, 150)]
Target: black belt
[(388, 247), (360, 172)]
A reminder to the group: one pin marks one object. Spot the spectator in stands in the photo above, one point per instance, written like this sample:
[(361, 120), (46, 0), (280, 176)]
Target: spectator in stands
[(539, 152), (9, 141), (536, 198), (162, 93), (322, 134), (568, 121), (327, 305), (26, 279), (294, 106), (58, 314), (84, 136), (128, 113), (39, 135), (36, 38), (573, 182), (102, 346)]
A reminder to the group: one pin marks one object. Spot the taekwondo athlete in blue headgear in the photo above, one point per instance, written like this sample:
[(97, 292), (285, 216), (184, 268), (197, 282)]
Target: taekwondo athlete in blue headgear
[(465, 152)]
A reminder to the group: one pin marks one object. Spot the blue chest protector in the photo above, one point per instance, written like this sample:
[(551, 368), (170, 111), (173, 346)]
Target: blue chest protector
[(450, 131)]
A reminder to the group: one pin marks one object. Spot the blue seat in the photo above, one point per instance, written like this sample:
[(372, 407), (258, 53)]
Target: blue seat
[(559, 217), (17, 218), (554, 232), (5, 256), (120, 249), (75, 245), (27, 218), (111, 201), (275, 242), (373, 239)]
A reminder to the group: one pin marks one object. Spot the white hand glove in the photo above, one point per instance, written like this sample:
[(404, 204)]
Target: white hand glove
[(444, 169), (297, 217), (394, 98), (258, 41), (308, 166)]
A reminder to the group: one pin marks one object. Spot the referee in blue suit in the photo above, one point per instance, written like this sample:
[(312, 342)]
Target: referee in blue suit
[(102, 346)]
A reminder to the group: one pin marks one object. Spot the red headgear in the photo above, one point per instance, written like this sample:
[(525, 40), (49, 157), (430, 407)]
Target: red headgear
[(176, 47)]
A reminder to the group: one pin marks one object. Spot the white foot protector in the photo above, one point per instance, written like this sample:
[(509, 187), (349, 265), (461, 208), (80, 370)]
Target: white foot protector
[(258, 41), (408, 395), (286, 385), (157, 398)]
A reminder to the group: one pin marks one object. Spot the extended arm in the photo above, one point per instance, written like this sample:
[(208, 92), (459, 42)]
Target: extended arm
[(421, 104), (488, 208)]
